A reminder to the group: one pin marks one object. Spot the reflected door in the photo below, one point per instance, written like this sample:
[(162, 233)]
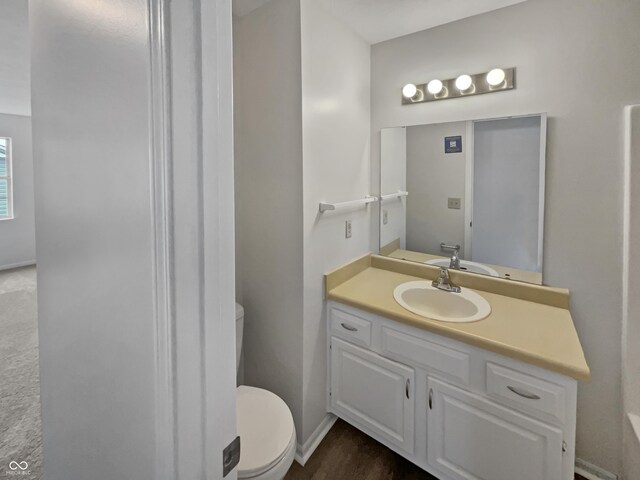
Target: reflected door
[(508, 197)]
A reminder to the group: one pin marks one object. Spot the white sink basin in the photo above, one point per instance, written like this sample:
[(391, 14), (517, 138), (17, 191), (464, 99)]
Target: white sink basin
[(423, 299), (465, 266)]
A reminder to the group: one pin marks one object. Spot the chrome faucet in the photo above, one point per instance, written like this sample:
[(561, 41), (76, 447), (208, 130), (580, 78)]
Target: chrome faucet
[(444, 282), (455, 258)]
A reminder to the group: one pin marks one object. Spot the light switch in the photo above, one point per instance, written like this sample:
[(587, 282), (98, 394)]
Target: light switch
[(347, 229), (454, 203), (385, 217)]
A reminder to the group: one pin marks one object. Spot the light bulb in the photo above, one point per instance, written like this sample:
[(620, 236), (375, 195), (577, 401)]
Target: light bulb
[(434, 87), (409, 90), (495, 77), (463, 82)]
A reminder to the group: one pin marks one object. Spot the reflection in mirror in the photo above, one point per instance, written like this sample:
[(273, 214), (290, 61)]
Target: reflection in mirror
[(466, 195)]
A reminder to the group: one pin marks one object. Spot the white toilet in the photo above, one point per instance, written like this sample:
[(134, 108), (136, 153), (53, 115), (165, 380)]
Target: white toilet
[(265, 426)]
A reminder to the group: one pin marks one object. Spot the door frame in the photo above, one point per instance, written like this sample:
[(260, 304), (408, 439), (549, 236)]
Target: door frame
[(191, 156)]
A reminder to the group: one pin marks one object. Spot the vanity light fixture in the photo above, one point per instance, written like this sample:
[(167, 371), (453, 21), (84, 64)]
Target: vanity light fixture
[(434, 87), (496, 77), (409, 90), (465, 85)]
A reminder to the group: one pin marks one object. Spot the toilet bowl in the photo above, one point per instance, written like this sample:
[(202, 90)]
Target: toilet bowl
[(265, 426)]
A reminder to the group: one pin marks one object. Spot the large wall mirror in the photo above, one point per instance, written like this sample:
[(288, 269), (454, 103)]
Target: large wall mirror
[(467, 195)]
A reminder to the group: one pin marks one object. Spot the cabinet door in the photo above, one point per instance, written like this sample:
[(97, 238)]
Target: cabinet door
[(471, 438), (376, 393)]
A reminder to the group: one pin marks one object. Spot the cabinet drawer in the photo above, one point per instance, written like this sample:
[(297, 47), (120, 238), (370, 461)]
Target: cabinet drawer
[(527, 393), (351, 327), (429, 355)]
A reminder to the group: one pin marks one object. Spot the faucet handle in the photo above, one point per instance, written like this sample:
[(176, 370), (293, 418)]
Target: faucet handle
[(443, 277), (444, 282), (455, 247)]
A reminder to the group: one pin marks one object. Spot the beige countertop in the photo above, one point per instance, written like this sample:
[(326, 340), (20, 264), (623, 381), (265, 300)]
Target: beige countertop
[(536, 333)]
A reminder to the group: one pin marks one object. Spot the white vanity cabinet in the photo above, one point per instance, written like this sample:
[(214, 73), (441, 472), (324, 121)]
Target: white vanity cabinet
[(457, 411), (374, 391), (470, 437)]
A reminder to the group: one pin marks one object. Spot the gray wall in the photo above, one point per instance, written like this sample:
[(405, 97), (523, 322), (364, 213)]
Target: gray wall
[(269, 225), (15, 94), (631, 312), (95, 249), (17, 235), (591, 46), (432, 177)]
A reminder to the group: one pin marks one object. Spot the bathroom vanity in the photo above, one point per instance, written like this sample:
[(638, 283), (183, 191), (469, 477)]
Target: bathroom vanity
[(493, 399)]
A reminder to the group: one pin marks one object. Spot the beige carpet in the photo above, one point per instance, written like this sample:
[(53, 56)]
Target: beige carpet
[(20, 430)]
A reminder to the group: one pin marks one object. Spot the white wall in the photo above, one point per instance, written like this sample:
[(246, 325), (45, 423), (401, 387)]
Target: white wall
[(15, 87), (269, 225), (432, 177), (95, 248), (393, 178), (302, 137), (554, 43), (17, 235), (336, 159)]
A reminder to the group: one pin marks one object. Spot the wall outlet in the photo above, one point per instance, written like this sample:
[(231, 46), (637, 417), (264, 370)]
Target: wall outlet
[(347, 229), (385, 217), (454, 203)]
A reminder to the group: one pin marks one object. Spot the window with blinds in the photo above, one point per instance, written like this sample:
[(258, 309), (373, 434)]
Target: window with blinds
[(6, 207)]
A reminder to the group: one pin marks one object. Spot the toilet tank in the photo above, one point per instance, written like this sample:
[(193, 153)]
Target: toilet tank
[(239, 331)]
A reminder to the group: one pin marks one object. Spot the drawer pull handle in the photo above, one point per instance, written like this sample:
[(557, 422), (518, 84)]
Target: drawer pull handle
[(406, 387), (349, 327), (523, 393)]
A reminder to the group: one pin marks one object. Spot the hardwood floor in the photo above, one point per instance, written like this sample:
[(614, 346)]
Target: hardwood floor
[(348, 454)]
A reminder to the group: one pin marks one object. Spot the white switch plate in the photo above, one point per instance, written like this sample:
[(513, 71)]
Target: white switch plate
[(347, 229), (454, 203), (385, 217)]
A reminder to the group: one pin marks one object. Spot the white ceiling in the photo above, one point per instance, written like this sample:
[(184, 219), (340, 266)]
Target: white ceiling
[(380, 20), (15, 88)]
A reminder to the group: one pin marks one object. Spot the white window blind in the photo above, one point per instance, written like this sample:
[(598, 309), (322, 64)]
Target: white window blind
[(6, 194)]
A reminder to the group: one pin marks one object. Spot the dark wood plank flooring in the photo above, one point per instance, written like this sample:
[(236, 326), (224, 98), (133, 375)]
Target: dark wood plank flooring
[(348, 454)]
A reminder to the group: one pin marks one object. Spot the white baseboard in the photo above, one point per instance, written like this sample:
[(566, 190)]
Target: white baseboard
[(304, 452), (591, 472), (17, 265)]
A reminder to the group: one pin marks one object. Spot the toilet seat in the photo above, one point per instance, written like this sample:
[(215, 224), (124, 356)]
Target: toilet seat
[(267, 433)]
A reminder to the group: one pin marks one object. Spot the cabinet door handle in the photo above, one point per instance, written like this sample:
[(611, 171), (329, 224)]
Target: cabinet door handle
[(406, 387), (523, 393), (430, 398), (349, 327)]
